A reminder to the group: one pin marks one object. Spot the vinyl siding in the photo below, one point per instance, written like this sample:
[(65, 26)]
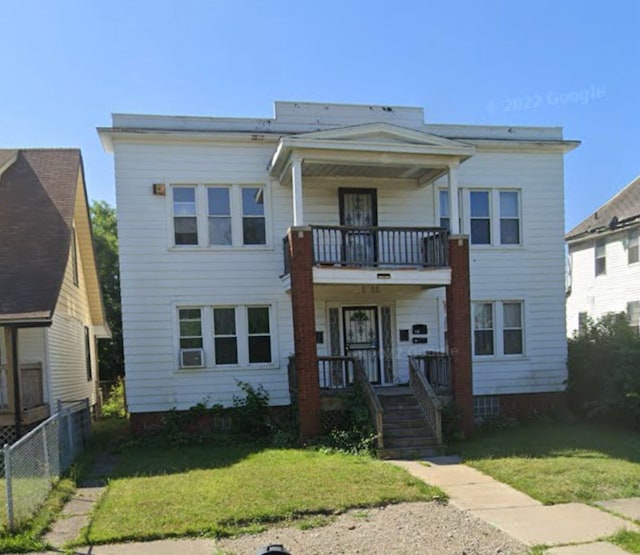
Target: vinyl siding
[(609, 292)]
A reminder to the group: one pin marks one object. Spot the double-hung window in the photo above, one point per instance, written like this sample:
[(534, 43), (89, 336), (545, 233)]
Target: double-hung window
[(230, 336), (633, 313), (498, 328), (185, 223), (213, 216), (632, 246), (443, 199), (509, 218), (480, 217), (601, 256)]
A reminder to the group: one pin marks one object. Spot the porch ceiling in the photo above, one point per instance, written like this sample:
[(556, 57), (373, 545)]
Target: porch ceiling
[(323, 169)]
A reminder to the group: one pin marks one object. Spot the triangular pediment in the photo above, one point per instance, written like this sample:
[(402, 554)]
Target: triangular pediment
[(380, 133)]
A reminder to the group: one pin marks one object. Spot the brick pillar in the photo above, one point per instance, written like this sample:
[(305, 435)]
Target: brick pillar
[(304, 331), (459, 329)]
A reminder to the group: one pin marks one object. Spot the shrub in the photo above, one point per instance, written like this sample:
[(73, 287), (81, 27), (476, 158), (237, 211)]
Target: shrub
[(114, 407), (604, 370)]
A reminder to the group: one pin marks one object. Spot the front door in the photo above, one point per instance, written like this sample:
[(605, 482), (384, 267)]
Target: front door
[(361, 339), (358, 208)]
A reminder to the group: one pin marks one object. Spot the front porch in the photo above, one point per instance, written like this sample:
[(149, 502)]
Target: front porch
[(32, 399)]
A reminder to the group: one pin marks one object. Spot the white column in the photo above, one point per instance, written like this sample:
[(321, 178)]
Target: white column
[(296, 177), (454, 211)]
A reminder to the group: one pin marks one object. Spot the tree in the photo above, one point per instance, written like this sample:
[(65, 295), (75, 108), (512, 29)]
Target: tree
[(105, 236)]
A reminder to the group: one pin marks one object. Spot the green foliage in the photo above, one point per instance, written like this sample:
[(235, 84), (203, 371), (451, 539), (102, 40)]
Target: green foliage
[(350, 431), (114, 407), (604, 370), (251, 413), (105, 239), (628, 540), (451, 419)]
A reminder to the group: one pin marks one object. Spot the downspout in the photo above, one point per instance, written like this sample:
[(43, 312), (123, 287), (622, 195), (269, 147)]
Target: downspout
[(17, 398)]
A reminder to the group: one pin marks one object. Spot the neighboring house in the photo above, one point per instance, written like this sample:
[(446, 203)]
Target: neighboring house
[(604, 261), (50, 300), (339, 233)]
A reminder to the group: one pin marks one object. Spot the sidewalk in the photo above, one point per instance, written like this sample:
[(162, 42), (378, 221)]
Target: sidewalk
[(522, 517)]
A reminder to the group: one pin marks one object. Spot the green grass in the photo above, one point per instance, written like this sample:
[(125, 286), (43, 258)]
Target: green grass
[(629, 541), (560, 462), (200, 490)]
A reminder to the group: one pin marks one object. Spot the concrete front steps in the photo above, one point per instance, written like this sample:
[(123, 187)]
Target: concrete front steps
[(405, 431)]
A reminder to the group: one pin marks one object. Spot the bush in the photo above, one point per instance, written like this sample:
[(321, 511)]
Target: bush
[(604, 370), (114, 407)]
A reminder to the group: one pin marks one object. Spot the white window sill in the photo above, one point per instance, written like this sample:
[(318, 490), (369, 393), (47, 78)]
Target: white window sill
[(230, 367), (496, 247), (223, 248), (500, 358)]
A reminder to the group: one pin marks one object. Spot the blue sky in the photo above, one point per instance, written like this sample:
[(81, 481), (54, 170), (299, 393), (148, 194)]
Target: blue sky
[(68, 64)]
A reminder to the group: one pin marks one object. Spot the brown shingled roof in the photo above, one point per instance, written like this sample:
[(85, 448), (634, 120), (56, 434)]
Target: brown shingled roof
[(621, 210), (37, 195)]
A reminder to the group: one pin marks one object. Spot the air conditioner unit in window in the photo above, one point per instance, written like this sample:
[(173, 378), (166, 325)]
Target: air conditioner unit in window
[(191, 358)]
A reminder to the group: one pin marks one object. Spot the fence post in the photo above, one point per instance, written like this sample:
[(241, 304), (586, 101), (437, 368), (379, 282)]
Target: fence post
[(47, 468), (8, 484)]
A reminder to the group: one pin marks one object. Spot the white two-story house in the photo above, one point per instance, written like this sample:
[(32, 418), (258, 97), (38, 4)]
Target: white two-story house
[(604, 261), (339, 240)]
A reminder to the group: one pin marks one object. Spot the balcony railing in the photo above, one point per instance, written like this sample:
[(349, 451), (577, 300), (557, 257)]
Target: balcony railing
[(421, 247), (31, 390), (435, 367)]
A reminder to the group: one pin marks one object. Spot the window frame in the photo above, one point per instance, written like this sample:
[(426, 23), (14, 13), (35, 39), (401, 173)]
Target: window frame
[(635, 325), (489, 218), (633, 246), (600, 269), (241, 335), (235, 214), (497, 307)]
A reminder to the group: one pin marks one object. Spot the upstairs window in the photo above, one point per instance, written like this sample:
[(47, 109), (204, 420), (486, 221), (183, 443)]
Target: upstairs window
[(633, 313), (253, 222), (509, 218), (583, 320), (219, 208), (601, 257), (444, 209), (480, 213), (632, 246), (185, 223)]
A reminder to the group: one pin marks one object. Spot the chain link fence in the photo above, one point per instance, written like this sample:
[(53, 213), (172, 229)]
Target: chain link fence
[(33, 464)]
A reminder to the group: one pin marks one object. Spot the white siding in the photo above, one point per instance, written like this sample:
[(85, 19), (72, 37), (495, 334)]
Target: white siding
[(609, 292), (157, 278)]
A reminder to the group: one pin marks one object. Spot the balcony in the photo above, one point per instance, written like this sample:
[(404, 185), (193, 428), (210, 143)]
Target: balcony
[(378, 255), (32, 400)]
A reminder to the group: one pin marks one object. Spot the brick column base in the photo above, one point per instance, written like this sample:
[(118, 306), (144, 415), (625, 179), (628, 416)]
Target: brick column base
[(304, 331), (459, 330)]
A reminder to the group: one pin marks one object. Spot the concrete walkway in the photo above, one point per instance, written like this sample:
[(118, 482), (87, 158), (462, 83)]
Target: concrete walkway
[(520, 516)]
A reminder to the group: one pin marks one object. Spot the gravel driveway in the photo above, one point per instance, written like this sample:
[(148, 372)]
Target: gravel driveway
[(404, 529)]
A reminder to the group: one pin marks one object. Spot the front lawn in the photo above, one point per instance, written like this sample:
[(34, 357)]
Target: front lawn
[(560, 463), (200, 490)]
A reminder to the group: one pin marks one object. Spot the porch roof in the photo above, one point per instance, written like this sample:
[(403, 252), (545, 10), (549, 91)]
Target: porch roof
[(370, 150)]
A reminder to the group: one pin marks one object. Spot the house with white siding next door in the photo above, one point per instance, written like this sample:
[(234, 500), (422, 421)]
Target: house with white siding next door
[(334, 243)]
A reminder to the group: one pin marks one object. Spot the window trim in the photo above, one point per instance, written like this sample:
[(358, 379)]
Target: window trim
[(236, 214), (633, 235), (242, 335), (499, 329), (600, 243)]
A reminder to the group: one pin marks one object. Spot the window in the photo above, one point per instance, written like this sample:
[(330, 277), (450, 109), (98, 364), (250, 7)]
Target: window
[(87, 353), (219, 208), (253, 224), (498, 328), (633, 313), (219, 215), (444, 209), (509, 218), (483, 328), (185, 224), (632, 246), (601, 257), (190, 337), (259, 337), (238, 335), (74, 257), (512, 328), (583, 320), (224, 336), (480, 217)]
